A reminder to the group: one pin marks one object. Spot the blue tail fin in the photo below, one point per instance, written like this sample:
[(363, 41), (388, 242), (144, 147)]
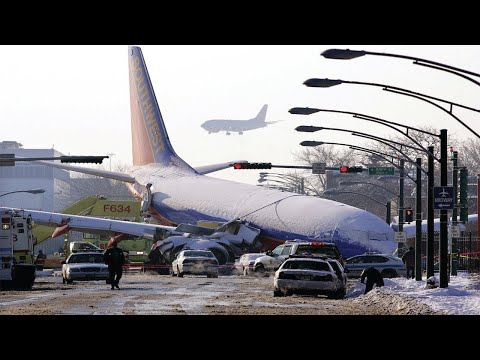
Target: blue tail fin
[(150, 142)]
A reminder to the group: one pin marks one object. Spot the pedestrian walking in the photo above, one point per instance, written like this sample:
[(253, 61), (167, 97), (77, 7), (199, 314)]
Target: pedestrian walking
[(409, 260), (115, 259)]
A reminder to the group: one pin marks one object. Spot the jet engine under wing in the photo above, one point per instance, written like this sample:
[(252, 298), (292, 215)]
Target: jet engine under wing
[(66, 222), (206, 169)]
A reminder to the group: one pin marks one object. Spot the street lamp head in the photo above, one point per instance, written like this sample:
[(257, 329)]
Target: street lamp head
[(311, 143), (305, 128), (36, 191), (323, 83), (342, 54), (303, 111)]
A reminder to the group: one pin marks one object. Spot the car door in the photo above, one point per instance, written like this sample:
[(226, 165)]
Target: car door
[(284, 255), (275, 261), (355, 265)]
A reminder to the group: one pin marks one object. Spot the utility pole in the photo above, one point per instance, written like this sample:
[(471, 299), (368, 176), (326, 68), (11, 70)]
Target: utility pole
[(401, 205), (454, 252), (418, 225)]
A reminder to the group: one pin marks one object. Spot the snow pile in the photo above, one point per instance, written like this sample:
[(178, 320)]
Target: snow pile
[(407, 296)]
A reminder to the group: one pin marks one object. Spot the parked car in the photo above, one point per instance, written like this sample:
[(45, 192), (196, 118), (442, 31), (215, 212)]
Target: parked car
[(82, 266), (312, 276), (246, 263), (339, 271), (198, 262), (389, 266), (273, 259)]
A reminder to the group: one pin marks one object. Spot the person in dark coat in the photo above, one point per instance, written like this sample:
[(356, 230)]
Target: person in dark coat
[(115, 259), (409, 260), (373, 278)]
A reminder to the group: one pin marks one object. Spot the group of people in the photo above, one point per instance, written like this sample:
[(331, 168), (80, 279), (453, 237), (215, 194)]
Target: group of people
[(374, 277)]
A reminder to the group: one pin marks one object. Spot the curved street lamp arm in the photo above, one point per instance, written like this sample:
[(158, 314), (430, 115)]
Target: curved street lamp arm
[(410, 92), (407, 158), (381, 155), (436, 105), (447, 70), (380, 121), (438, 66), (355, 193), (368, 183)]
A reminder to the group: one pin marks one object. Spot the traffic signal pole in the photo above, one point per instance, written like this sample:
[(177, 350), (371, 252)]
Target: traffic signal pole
[(401, 205), (418, 224)]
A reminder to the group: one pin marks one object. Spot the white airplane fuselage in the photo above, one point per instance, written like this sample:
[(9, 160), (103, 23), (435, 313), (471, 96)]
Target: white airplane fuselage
[(180, 196)]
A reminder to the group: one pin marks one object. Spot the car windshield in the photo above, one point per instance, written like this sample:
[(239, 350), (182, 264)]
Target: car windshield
[(316, 250), (199, 253), (86, 258), (306, 265)]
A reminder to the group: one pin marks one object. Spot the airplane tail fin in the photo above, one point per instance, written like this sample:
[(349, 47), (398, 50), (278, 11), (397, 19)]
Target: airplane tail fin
[(150, 142), (262, 114)]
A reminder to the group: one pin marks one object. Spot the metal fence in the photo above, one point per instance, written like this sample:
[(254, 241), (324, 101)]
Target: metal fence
[(468, 248)]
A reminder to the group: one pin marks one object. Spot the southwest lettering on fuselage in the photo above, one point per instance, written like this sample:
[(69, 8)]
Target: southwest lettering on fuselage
[(145, 101)]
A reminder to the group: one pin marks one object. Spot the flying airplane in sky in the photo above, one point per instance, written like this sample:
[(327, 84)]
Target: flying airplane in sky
[(215, 126), (174, 192)]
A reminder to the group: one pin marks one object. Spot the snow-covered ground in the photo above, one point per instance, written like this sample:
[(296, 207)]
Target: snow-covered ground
[(462, 297)]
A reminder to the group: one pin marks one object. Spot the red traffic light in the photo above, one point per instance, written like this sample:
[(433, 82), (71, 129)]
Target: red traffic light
[(350, 169)]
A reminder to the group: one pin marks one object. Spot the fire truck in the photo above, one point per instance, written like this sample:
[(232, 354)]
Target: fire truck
[(17, 268)]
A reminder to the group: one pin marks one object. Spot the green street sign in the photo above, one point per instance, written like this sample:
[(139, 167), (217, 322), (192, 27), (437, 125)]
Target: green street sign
[(385, 170)]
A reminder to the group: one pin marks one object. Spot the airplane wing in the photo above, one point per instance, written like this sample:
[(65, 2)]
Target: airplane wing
[(206, 169), (66, 222), (96, 172)]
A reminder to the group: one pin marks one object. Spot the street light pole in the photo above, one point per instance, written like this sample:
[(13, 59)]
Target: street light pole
[(418, 224), (401, 204), (443, 213), (430, 216)]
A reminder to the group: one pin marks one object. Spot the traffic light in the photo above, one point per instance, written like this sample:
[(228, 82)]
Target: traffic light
[(82, 159), (408, 215), (350, 169), (247, 165)]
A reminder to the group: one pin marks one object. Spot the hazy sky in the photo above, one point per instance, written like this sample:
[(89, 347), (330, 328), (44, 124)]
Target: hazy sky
[(76, 98)]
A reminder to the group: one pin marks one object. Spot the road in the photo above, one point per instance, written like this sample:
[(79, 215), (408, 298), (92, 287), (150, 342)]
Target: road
[(151, 294)]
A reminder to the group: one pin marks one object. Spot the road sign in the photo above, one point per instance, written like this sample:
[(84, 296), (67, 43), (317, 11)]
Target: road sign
[(455, 231), (400, 237), (443, 197), (319, 168), (381, 170)]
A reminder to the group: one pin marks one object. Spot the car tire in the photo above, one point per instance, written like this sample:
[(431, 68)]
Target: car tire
[(179, 274), (260, 269), (69, 281), (63, 279), (277, 293), (172, 272), (389, 273), (340, 294)]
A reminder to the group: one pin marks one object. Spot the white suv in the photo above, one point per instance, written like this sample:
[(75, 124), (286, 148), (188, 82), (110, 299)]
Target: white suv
[(273, 259)]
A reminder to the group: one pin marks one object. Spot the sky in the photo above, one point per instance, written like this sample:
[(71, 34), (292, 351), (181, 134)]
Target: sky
[(76, 98)]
